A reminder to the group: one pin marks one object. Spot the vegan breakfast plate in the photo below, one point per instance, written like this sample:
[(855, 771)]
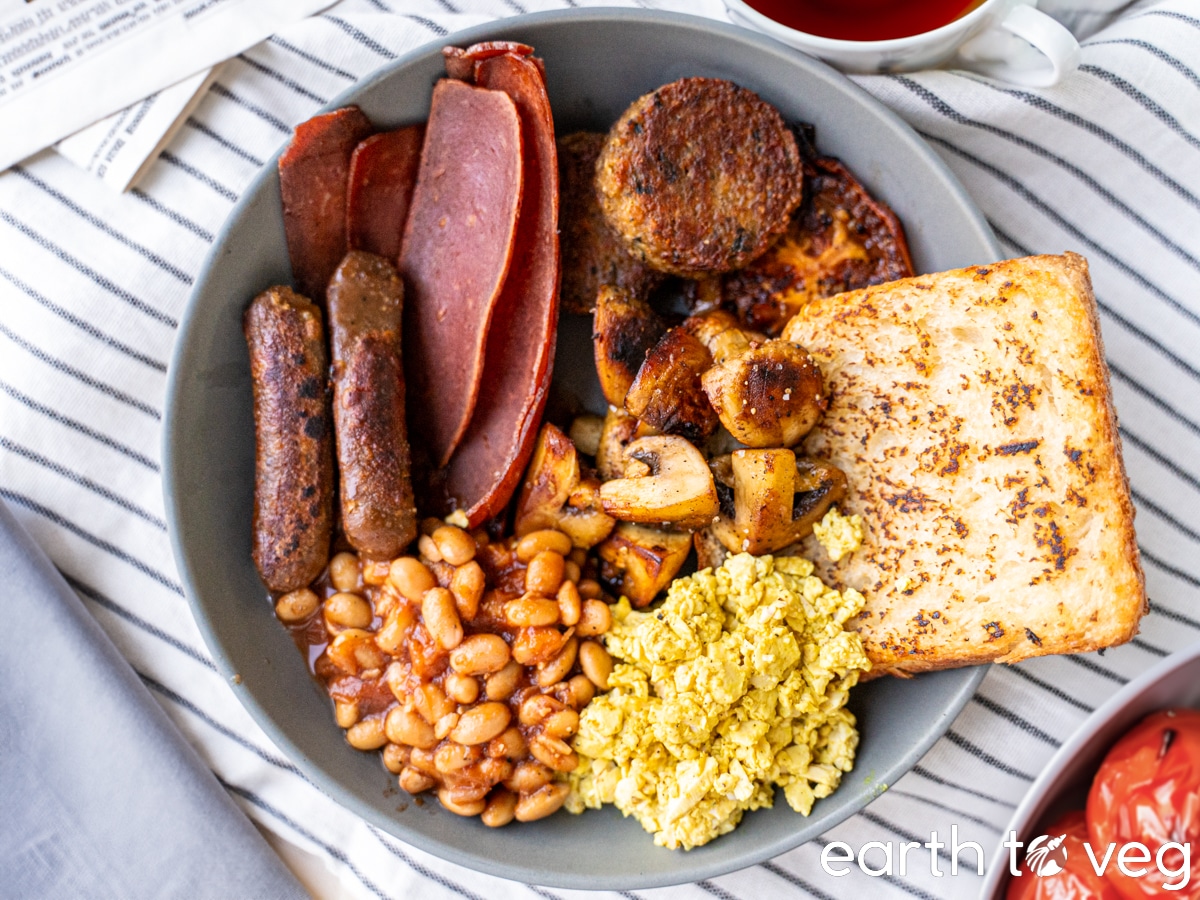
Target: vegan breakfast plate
[(597, 63)]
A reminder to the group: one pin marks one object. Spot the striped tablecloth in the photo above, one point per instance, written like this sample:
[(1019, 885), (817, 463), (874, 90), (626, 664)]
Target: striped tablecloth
[(93, 284)]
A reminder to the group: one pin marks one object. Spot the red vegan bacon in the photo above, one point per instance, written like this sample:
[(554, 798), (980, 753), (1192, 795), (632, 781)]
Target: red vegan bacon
[(313, 174), (456, 251), (383, 173), (483, 474)]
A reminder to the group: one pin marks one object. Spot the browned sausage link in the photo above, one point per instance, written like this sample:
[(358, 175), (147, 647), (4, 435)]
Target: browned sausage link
[(293, 486), (365, 300)]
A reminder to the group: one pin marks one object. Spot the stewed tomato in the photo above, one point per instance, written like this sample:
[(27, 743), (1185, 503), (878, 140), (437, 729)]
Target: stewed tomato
[(1077, 880), (1148, 790)]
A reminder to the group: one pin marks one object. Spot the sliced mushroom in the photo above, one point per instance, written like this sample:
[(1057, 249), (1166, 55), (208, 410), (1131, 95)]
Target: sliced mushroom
[(722, 333), (620, 429), (585, 433), (638, 561), (624, 329), (666, 481), (557, 494), (776, 498), (667, 394), (770, 396)]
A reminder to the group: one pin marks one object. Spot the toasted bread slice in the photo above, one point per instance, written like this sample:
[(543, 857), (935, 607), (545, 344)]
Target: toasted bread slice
[(971, 412)]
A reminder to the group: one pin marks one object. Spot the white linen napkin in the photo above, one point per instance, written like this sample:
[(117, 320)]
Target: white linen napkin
[(92, 286)]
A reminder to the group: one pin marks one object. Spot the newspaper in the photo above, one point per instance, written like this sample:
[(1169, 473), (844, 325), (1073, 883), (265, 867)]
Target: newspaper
[(65, 64), (120, 148)]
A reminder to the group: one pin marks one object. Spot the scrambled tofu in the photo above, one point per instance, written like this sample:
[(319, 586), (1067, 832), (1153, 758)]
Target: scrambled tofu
[(839, 534), (736, 684)]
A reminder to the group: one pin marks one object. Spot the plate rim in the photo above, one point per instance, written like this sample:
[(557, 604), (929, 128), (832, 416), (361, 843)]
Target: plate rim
[(171, 477)]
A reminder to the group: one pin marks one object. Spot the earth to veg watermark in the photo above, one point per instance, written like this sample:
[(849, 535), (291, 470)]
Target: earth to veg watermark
[(1045, 856)]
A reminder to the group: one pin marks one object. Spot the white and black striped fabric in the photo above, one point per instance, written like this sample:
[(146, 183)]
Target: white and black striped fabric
[(92, 286)]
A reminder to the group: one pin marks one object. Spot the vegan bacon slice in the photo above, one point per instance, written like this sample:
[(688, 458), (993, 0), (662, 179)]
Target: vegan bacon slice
[(313, 174), (456, 251), (383, 173), (484, 472)]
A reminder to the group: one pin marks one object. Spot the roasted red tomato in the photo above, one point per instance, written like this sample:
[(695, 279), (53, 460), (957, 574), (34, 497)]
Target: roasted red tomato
[(1077, 880), (1148, 790)]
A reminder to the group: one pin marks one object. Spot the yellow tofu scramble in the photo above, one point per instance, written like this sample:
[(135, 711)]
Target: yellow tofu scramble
[(735, 684), (839, 534)]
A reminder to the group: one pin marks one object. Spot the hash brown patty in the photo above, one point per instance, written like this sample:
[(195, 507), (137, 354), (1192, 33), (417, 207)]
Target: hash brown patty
[(699, 176)]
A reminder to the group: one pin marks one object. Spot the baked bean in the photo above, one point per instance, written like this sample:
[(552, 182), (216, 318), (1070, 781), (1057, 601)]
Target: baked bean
[(538, 644), (500, 809), (343, 571), (489, 770), (345, 713), (443, 726), (411, 578), (428, 549), (354, 650), (481, 723), (348, 611), (553, 752), (500, 685), (461, 688), (480, 643), (597, 665), (429, 525), (537, 707), (544, 573), (537, 541), (367, 734), (455, 545), (394, 633), (432, 703), (295, 606), (375, 571), (594, 618), (461, 807), (556, 670), (530, 609), (580, 691), (589, 589), (542, 802), (414, 781), (467, 586), (569, 603), (451, 757), (509, 744), (395, 757), (441, 618), (561, 724), (404, 727), (528, 776), (481, 654), (421, 758)]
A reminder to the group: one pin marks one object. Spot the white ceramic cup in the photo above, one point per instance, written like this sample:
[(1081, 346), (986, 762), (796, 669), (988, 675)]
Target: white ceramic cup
[(1005, 39)]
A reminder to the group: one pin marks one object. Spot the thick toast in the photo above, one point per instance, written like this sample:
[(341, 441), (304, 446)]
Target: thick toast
[(971, 412)]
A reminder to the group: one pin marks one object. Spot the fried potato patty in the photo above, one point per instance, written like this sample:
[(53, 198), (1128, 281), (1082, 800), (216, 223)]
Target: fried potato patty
[(592, 254), (699, 176)]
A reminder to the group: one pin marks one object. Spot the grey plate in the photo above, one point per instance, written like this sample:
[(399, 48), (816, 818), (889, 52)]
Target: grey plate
[(597, 62), (1064, 783)]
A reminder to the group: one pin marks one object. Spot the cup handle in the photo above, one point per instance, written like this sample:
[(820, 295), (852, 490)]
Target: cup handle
[(997, 54)]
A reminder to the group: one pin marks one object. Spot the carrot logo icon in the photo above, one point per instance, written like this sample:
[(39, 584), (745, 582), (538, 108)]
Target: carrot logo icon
[(1046, 855)]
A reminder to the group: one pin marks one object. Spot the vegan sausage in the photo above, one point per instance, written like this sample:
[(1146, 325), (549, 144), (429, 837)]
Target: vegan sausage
[(365, 302), (293, 484)]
